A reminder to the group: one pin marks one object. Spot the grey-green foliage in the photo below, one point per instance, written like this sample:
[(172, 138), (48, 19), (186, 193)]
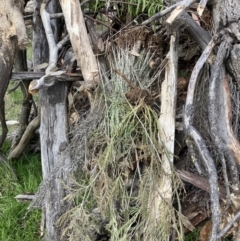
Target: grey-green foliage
[(115, 188)]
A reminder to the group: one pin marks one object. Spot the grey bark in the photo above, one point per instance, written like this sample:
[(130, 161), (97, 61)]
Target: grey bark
[(233, 63), (225, 15), (53, 132)]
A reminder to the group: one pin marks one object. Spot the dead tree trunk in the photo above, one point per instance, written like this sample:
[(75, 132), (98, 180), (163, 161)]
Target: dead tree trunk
[(53, 133), (13, 33), (226, 22), (54, 124), (224, 70), (164, 191)]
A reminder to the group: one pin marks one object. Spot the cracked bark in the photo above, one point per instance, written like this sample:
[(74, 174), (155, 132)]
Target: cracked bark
[(225, 13), (53, 102)]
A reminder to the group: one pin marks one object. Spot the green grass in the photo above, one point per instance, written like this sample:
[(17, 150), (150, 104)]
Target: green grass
[(193, 236), (29, 50), (13, 102), (16, 223)]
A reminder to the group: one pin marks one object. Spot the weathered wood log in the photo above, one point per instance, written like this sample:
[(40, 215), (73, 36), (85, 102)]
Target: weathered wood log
[(53, 101), (80, 42), (25, 75), (163, 193), (53, 144)]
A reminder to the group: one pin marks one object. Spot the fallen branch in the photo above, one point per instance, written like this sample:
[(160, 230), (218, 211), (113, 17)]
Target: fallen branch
[(25, 75), (85, 57), (199, 142), (200, 182), (33, 125), (35, 85), (164, 190), (25, 197)]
